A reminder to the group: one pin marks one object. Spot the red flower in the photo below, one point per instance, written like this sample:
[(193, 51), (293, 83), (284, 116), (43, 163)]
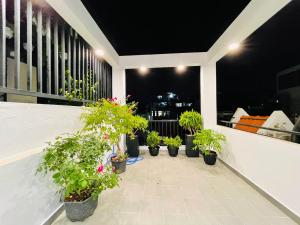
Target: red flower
[(100, 168), (106, 136)]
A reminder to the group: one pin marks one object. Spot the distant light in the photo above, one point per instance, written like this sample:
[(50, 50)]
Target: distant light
[(181, 69), (99, 53), (234, 46), (143, 70)]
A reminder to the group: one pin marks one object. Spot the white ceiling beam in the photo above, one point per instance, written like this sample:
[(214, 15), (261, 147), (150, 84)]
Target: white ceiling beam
[(251, 18), (163, 60), (75, 13)]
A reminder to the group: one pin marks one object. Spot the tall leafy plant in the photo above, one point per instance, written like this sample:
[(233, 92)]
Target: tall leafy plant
[(76, 164), (111, 118), (208, 140), (191, 121)]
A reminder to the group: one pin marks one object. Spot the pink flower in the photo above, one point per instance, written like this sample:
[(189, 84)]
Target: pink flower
[(100, 168), (106, 136)]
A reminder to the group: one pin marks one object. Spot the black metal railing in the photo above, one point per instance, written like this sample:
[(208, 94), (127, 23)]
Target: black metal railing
[(295, 135), (165, 128), (64, 61)]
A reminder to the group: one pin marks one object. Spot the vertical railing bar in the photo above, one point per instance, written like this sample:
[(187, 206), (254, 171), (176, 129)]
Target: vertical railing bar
[(105, 76), (63, 60), (79, 66), (17, 28), (69, 60), (98, 79), (90, 73), (29, 45), (3, 44), (101, 79), (86, 72), (94, 77), (48, 50), (56, 87), (93, 73), (83, 72), (40, 50), (74, 61)]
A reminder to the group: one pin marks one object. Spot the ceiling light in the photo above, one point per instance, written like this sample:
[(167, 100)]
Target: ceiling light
[(143, 70), (181, 69), (99, 53), (234, 46)]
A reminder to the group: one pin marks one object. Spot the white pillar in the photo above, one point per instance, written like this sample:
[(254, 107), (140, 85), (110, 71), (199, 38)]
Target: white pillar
[(118, 83), (209, 95), (119, 90)]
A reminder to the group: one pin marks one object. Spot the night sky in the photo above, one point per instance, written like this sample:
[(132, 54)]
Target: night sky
[(151, 27), (145, 88), (249, 76)]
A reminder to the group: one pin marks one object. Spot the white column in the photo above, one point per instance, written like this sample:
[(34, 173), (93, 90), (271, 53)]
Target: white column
[(209, 95), (119, 90), (118, 83)]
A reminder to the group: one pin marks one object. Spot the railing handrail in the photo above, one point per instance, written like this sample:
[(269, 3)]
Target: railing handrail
[(264, 128)]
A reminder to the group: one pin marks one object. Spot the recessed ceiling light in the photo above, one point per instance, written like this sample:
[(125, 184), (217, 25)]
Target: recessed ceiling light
[(99, 53), (143, 70), (234, 46), (181, 68)]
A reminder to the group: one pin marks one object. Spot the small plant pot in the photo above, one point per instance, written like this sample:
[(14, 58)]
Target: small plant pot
[(154, 151), (132, 146), (211, 158), (78, 211), (189, 145), (173, 151), (119, 167)]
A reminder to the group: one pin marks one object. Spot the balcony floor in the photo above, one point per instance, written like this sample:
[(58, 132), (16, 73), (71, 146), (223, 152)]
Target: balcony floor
[(182, 191)]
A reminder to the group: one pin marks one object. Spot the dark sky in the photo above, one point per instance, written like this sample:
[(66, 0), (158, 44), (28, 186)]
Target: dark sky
[(145, 88), (249, 77), (156, 26)]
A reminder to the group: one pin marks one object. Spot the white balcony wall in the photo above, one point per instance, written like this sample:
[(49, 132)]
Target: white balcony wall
[(24, 131), (271, 164)]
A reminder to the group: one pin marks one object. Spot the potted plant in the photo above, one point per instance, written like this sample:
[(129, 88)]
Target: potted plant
[(192, 122), (112, 119), (173, 145), (76, 164), (153, 141), (138, 124), (210, 143)]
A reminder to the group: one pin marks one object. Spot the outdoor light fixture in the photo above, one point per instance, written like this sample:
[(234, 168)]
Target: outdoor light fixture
[(143, 70), (99, 53), (234, 46), (181, 69)]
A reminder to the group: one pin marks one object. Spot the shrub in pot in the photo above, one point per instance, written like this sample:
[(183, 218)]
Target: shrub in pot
[(210, 142), (112, 119), (173, 145), (192, 122), (138, 124), (76, 164), (153, 141)]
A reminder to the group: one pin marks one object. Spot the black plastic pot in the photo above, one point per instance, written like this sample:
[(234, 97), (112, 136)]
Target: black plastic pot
[(189, 145), (173, 151), (211, 158), (132, 146), (154, 151), (78, 211), (119, 167)]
